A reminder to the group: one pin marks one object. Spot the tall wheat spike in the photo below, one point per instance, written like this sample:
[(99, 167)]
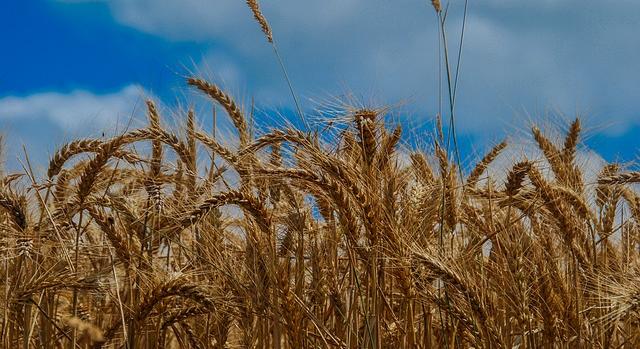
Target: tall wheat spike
[(261, 19)]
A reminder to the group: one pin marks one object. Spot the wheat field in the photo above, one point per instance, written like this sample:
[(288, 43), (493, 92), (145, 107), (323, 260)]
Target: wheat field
[(162, 237)]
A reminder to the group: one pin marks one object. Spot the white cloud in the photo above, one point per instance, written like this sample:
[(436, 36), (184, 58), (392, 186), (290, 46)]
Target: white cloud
[(78, 110), (565, 54)]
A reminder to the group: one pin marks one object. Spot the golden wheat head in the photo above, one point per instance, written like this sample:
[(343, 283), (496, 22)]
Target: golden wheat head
[(262, 20)]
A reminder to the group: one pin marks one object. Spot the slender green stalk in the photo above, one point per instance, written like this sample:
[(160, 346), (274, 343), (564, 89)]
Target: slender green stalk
[(288, 80)]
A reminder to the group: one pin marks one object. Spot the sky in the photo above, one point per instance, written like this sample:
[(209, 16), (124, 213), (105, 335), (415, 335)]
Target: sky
[(79, 68)]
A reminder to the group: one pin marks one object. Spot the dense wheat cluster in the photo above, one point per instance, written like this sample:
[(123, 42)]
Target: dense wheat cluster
[(334, 242)]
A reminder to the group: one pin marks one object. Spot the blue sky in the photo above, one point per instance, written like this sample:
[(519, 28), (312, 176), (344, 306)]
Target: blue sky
[(74, 68)]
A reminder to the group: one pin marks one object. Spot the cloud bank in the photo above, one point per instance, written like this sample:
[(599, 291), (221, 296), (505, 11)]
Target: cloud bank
[(74, 111), (520, 57)]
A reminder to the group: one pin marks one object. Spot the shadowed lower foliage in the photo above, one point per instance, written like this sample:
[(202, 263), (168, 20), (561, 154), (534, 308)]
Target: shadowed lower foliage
[(344, 242)]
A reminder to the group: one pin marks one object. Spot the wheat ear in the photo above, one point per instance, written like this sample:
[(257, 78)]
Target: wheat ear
[(262, 20)]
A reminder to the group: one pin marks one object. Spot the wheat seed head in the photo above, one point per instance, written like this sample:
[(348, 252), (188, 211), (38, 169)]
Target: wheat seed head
[(436, 5), (262, 20)]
